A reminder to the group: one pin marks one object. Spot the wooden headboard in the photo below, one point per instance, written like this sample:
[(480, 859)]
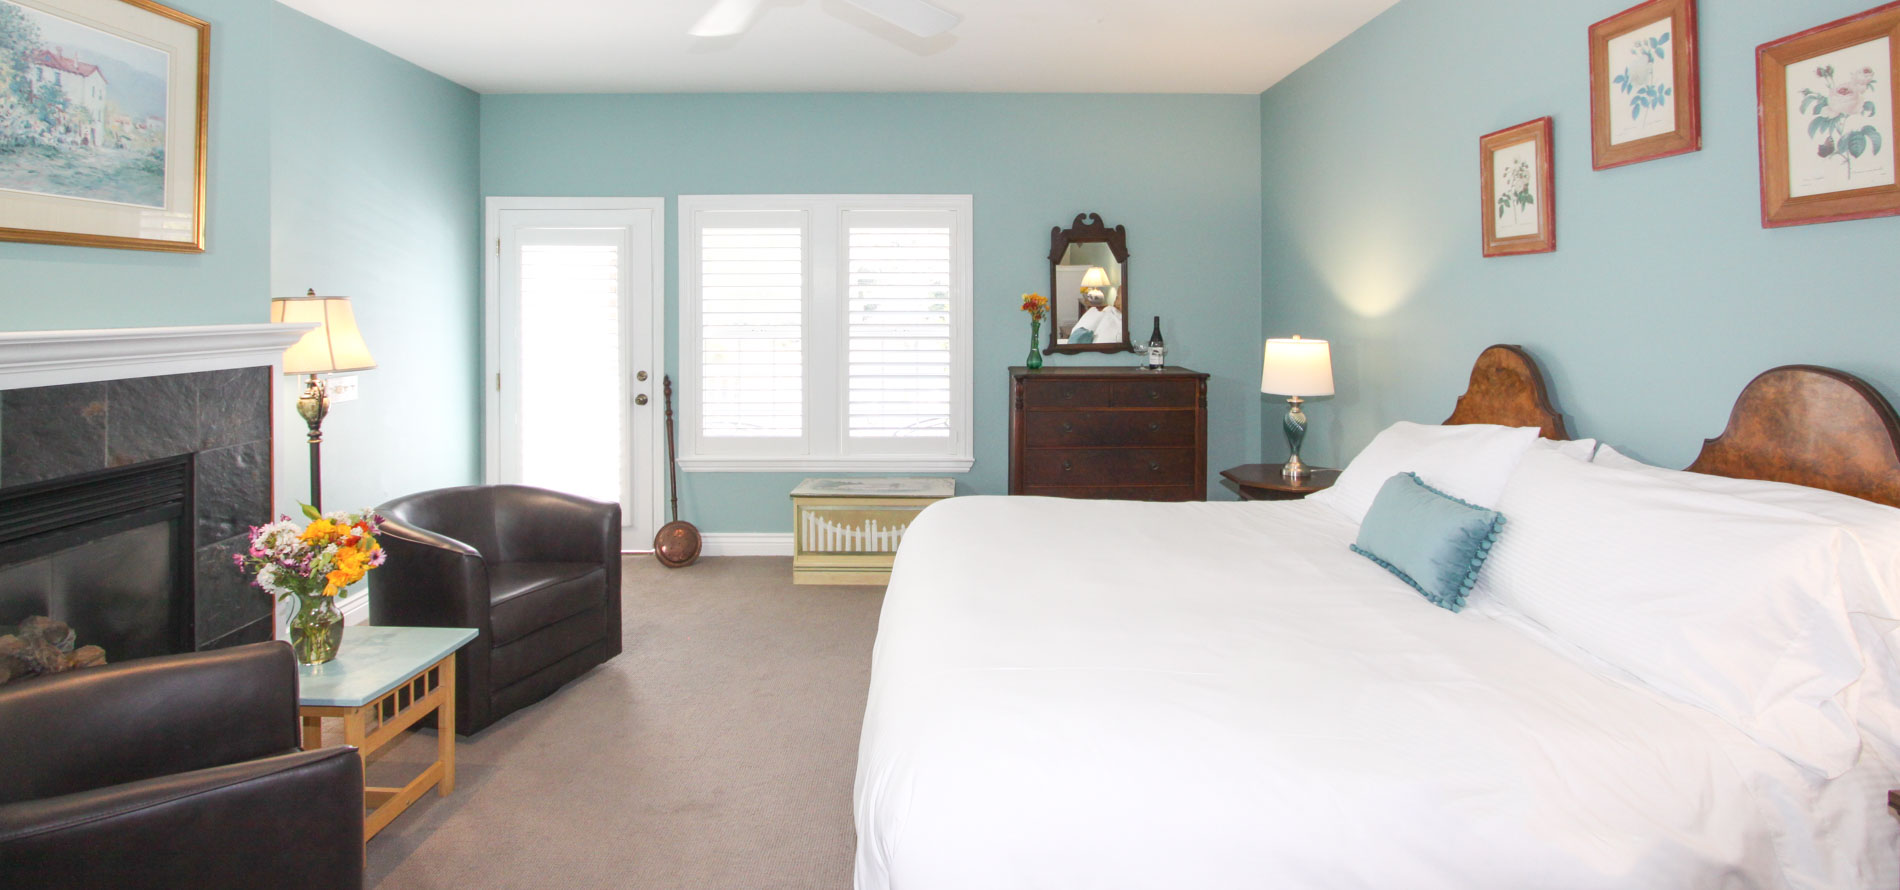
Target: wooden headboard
[(1810, 426), (1507, 389)]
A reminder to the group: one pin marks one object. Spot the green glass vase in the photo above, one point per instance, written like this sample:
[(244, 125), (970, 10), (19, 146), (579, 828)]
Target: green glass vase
[(1035, 336), (316, 629)]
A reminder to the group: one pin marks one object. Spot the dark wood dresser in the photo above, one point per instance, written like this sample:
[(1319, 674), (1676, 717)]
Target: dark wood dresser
[(1108, 432)]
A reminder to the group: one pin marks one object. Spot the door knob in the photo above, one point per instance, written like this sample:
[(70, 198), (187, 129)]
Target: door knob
[(642, 376), (640, 399)]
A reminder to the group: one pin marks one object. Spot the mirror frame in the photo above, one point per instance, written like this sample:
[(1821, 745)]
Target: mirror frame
[(1089, 228)]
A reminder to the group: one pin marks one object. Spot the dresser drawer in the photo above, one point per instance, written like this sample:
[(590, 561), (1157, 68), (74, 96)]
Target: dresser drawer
[(1109, 466), (1118, 492), (1173, 393), (1057, 429)]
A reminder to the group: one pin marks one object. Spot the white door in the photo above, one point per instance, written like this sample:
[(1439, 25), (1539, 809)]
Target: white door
[(574, 347)]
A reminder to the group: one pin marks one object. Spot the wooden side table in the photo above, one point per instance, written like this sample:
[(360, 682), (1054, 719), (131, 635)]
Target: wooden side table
[(1263, 482), (383, 680)]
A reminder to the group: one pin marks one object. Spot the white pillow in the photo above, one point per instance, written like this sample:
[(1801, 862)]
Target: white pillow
[(1577, 449), (1733, 606), (1469, 461), (1873, 607)]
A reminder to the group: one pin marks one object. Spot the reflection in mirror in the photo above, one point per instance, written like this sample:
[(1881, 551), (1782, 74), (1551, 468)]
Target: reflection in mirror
[(1088, 291)]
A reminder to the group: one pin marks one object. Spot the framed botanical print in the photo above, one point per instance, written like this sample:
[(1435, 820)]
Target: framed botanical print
[(1518, 190), (102, 124), (1826, 115), (1645, 95)]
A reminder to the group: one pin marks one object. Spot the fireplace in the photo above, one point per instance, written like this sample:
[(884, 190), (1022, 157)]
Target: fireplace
[(109, 553), (208, 432)]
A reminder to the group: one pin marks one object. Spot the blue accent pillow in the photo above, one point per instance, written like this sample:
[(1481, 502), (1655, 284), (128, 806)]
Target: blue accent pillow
[(1429, 539), (1081, 335)]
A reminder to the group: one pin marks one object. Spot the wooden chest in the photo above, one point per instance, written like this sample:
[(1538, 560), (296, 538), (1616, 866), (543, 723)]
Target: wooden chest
[(1108, 432), (846, 531)]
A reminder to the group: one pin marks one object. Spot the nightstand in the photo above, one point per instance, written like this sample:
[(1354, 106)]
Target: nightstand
[(1263, 482)]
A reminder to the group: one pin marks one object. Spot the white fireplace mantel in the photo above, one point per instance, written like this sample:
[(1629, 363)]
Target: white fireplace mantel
[(51, 358)]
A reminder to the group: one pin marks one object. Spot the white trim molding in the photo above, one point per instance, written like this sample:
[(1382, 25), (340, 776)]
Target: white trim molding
[(52, 358), (746, 544)]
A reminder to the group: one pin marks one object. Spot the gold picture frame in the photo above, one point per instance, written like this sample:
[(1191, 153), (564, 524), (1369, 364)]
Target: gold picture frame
[(103, 123)]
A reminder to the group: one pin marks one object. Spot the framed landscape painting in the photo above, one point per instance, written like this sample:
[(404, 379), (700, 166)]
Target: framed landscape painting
[(1518, 190), (1826, 99), (102, 124), (1645, 94)]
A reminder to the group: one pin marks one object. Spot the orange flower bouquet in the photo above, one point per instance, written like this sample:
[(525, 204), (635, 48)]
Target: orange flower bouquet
[(315, 566), (1037, 306)]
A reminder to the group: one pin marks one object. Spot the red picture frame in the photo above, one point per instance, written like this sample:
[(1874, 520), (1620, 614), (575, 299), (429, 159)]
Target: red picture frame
[(1613, 91), (1535, 188), (1774, 62)]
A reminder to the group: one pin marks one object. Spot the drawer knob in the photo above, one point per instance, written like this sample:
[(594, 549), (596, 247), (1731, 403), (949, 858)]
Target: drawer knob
[(1065, 466), (1068, 394), (1153, 395), (1068, 427), (1154, 465), (1154, 426)]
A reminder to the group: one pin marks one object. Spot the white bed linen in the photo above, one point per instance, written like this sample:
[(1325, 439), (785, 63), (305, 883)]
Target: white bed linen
[(1096, 694)]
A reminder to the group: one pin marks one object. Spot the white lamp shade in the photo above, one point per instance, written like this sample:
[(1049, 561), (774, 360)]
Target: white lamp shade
[(1096, 276), (336, 344), (1297, 367)]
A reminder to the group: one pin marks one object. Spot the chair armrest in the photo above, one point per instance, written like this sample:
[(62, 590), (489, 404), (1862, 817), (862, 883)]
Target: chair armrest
[(537, 525), (428, 580), (289, 821), (120, 723)]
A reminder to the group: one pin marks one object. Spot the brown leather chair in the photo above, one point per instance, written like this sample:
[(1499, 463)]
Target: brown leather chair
[(174, 771), (536, 572)]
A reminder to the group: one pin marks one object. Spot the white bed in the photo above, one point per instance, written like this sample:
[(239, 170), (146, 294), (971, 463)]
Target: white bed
[(1223, 695), (1103, 694)]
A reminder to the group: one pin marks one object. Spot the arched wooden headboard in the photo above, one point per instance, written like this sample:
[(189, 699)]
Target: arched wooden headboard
[(1507, 388), (1810, 426)]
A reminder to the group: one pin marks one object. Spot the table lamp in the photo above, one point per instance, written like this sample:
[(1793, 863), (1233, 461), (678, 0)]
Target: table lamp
[(1094, 280), (336, 345), (1296, 368)]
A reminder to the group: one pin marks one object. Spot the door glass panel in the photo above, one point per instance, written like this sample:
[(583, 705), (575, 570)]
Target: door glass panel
[(571, 382)]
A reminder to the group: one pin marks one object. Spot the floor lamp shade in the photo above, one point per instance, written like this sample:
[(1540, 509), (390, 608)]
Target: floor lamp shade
[(336, 344)]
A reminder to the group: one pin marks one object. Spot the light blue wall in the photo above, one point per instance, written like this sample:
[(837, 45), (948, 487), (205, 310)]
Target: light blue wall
[(374, 196), (49, 288), (1181, 172), (1665, 295)]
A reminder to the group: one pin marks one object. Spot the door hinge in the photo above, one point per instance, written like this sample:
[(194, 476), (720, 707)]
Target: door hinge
[(498, 247), (498, 383)]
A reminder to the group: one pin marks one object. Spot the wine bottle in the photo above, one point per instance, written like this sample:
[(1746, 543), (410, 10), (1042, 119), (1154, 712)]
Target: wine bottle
[(1157, 350)]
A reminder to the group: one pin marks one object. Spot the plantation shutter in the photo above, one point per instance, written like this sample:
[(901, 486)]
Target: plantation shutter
[(898, 292), (752, 283)]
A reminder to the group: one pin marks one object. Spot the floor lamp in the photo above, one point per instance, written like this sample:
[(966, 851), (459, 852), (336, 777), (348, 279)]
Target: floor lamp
[(336, 345)]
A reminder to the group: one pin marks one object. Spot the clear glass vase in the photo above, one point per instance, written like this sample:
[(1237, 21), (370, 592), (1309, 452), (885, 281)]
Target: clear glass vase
[(316, 629)]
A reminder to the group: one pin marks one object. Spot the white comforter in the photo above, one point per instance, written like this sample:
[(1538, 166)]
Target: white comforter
[(1092, 694)]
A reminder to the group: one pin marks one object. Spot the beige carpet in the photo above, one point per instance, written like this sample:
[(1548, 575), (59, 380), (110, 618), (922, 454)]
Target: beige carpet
[(717, 751)]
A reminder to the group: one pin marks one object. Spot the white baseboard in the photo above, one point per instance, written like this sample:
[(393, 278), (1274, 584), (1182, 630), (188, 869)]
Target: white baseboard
[(746, 544), (355, 609)]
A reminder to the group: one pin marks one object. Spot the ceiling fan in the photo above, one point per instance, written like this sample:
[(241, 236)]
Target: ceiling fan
[(729, 17)]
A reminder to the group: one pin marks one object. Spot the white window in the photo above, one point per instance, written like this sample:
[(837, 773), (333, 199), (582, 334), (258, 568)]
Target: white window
[(825, 332)]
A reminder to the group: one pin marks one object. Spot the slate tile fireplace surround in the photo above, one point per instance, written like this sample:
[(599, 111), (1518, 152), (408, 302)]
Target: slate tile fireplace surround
[(220, 418)]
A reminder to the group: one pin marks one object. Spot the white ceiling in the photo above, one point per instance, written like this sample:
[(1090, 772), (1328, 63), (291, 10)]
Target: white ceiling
[(1091, 46)]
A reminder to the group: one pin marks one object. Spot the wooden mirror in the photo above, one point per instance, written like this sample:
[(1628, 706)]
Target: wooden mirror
[(1088, 287)]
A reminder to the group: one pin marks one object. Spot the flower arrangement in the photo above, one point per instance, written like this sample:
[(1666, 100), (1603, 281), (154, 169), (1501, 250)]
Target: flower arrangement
[(1837, 109), (315, 565), (1037, 306)]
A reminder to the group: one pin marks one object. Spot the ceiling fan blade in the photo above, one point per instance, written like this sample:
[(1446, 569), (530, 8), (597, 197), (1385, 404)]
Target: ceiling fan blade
[(916, 16), (726, 18)]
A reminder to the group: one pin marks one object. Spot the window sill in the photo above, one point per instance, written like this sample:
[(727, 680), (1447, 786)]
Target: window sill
[(882, 464)]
